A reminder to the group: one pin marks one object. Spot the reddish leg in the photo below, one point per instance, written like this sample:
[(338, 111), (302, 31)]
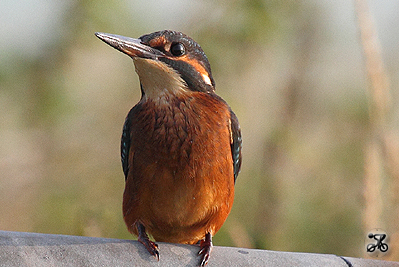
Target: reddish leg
[(205, 249), (144, 239)]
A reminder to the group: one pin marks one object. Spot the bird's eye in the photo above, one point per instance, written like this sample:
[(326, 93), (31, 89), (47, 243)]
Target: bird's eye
[(177, 49)]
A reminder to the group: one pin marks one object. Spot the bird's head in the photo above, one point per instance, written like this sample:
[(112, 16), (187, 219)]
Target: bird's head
[(166, 61)]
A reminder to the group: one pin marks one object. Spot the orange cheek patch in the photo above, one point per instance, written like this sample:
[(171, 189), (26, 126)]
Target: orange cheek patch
[(200, 69)]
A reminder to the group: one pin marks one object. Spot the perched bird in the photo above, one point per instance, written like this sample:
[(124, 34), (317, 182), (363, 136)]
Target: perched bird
[(180, 147)]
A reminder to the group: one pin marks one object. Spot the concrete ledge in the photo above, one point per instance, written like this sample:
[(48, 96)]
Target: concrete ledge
[(32, 249)]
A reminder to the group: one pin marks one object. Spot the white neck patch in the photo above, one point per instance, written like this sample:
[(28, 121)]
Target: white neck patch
[(206, 79)]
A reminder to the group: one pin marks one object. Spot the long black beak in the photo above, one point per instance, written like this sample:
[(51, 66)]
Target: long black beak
[(130, 46)]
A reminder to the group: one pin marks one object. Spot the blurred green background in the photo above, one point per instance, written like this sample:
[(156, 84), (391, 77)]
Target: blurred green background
[(293, 72)]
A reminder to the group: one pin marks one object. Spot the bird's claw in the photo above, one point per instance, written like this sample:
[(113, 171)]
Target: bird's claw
[(147, 243), (151, 247), (205, 249)]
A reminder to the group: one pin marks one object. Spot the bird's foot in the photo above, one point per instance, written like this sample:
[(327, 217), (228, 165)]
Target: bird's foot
[(147, 243), (151, 247), (205, 249)]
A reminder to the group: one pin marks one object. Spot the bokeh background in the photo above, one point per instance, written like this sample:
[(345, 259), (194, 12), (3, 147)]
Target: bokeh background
[(320, 137)]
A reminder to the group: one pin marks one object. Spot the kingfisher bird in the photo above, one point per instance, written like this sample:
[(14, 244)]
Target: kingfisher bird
[(180, 146)]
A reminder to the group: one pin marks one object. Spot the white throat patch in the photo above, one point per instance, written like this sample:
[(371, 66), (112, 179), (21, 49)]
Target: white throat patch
[(158, 79)]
